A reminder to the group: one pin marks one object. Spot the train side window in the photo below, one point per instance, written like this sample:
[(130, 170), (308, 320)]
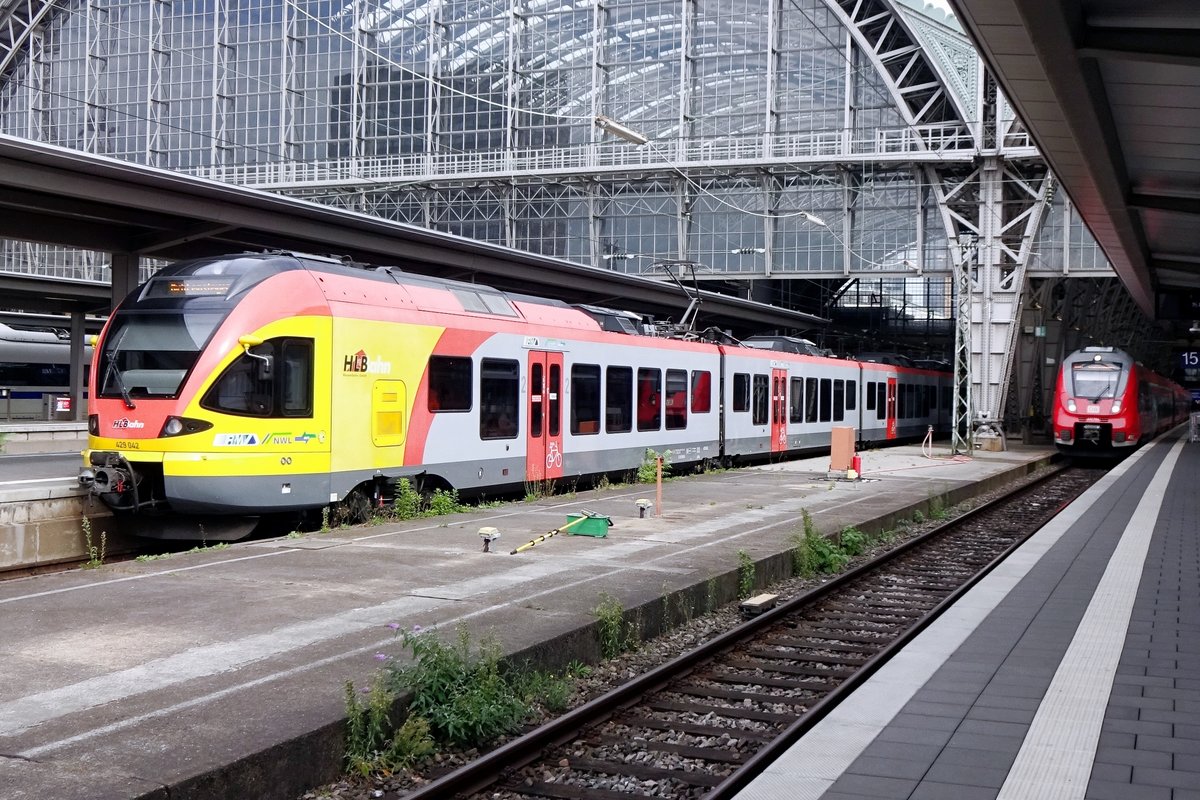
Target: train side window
[(537, 396), (810, 400), (701, 391), (273, 380), (851, 395), (585, 399), (449, 383), (870, 395), (741, 391), (649, 399), (296, 381), (881, 400), (796, 404), (618, 400), (554, 407), (946, 395), (839, 400), (499, 398), (762, 397), (677, 402), (826, 399)]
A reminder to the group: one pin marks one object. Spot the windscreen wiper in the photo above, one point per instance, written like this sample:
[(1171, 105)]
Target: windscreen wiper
[(111, 372)]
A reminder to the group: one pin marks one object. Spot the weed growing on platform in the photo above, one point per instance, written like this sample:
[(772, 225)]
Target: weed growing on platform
[(812, 553), (647, 472), (852, 541), (610, 619), (746, 575), (371, 745), (467, 698), (95, 553), (918, 516), (937, 508), (711, 596)]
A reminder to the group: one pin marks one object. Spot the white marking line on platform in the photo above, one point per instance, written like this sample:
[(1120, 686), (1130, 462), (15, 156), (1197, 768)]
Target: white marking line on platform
[(70, 478), (823, 754), (1055, 760)]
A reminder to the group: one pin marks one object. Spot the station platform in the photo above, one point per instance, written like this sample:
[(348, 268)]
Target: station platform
[(24, 437), (220, 673), (1071, 671)]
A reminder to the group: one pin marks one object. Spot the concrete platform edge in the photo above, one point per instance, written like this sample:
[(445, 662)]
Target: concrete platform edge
[(285, 770)]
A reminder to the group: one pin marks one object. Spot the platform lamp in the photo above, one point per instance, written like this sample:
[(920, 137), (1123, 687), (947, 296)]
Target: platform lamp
[(610, 125)]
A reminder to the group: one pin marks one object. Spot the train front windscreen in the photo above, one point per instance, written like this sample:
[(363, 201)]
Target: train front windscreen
[(148, 354), (1097, 379)]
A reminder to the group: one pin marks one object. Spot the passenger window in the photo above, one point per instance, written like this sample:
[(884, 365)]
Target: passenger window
[(871, 395), (839, 400), (741, 391), (762, 398), (618, 400), (851, 395), (881, 400), (677, 402), (826, 399), (649, 409), (499, 398), (701, 391), (796, 410), (810, 400), (554, 408), (449, 383), (585, 399)]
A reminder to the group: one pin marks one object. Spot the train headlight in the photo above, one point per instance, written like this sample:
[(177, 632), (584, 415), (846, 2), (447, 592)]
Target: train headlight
[(94, 424), (1116, 406), (1071, 405), (181, 426)]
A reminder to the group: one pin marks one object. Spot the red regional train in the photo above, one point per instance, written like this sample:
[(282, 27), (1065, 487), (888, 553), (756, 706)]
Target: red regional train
[(251, 384), (1106, 403)]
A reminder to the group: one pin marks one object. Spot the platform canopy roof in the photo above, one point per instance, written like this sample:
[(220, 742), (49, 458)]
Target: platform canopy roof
[(1110, 90), (60, 196)]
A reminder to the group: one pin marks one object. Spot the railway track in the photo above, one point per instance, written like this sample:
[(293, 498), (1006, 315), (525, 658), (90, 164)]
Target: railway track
[(705, 723)]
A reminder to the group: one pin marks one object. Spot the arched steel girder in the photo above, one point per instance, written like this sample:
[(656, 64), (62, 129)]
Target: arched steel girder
[(915, 84), (19, 19)]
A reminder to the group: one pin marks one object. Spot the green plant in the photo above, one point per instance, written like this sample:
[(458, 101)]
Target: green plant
[(442, 502), (464, 696), (325, 520), (602, 483), (647, 471), (95, 553), (918, 516), (853, 541), (937, 507), (142, 559), (812, 553), (746, 574), (371, 744), (610, 619), (407, 503)]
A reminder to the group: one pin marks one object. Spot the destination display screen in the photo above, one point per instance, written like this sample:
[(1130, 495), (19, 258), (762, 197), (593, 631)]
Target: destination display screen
[(197, 286)]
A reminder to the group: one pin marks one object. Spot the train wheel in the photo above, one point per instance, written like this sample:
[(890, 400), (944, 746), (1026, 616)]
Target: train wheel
[(355, 509)]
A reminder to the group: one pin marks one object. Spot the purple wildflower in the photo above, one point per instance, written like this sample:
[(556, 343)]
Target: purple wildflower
[(381, 657), (416, 628), (394, 625)]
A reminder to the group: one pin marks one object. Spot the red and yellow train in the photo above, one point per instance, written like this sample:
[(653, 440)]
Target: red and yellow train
[(258, 383), (1106, 403)]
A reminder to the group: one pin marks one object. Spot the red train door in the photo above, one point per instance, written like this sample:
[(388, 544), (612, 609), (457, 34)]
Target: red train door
[(778, 410), (543, 445), (891, 408)]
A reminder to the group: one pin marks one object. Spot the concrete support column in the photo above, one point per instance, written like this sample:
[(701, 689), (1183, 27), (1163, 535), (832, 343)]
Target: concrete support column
[(78, 375), (124, 276)]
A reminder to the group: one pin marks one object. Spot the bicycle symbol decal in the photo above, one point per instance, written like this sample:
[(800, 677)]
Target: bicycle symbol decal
[(553, 456)]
